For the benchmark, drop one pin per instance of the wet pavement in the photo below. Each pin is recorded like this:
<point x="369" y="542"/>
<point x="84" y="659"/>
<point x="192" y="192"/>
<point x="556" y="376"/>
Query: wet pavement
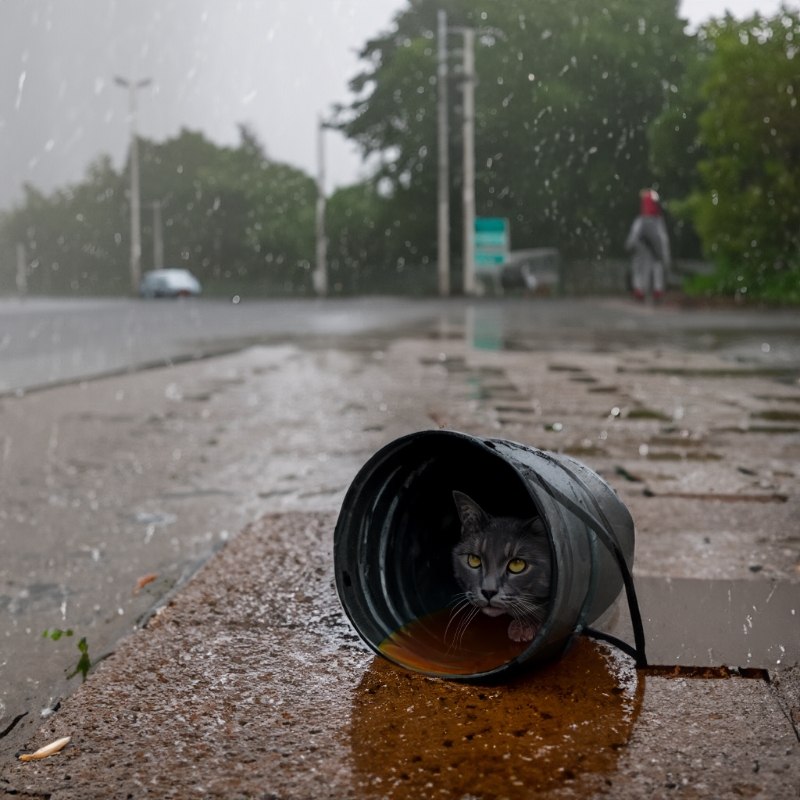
<point x="696" y="435"/>
<point x="252" y="685"/>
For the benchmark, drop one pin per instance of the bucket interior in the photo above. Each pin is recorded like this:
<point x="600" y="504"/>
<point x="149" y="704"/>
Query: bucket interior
<point x="395" y="538"/>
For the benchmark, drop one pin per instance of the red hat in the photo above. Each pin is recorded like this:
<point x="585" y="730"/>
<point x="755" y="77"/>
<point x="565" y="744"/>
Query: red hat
<point x="650" y="207"/>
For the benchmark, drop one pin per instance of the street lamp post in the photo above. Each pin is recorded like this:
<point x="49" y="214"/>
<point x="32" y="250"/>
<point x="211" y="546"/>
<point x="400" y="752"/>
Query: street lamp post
<point x="136" y="232"/>
<point x="444" y="163"/>
<point x="321" y="271"/>
<point x="467" y="80"/>
<point x="468" y="189"/>
<point x="158" y="237"/>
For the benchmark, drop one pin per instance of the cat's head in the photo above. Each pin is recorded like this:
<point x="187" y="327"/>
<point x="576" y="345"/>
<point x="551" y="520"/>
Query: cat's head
<point x="502" y="563"/>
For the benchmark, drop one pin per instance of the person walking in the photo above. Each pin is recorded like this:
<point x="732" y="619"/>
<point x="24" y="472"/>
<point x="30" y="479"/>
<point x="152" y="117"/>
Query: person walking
<point x="649" y="242"/>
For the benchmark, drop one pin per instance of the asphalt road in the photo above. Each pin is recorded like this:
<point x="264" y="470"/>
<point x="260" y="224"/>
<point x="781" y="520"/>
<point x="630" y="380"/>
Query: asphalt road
<point x="44" y="341"/>
<point x="47" y="341"/>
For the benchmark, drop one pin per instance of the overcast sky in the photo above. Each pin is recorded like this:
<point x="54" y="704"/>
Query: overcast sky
<point x="275" y="64"/>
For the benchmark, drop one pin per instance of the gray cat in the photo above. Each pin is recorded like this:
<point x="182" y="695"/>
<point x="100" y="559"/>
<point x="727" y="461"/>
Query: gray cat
<point x="502" y="564"/>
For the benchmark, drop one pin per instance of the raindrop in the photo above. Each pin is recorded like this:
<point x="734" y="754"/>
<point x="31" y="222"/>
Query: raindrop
<point x="765" y="348"/>
<point x="173" y="392"/>
<point x="643" y="449"/>
<point x="20" y="85"/>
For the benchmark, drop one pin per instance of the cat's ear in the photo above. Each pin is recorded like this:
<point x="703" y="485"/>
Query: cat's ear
<point x="534" y="526"/>
<point x="473" y="517"/>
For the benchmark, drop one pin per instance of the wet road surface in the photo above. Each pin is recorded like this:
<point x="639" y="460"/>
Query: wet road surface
<point x="46" y="341"/>
<point x="115" y="480"/>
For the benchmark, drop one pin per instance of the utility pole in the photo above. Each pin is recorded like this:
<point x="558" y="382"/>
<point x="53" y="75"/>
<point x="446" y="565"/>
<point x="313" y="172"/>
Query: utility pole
<point x="468" y="189"/>
<point x="444" y="163"/>
<point x="136" y="227"/>
<point x="22" y="278"/>
<point x="321" y="272"/>
<point x="158" y="237"/>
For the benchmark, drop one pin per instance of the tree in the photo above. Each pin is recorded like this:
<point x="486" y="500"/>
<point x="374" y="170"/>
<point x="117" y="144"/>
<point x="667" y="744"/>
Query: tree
<point x="567" y="91"/>
<point x="747" y="206"/>
<point x="675" y="149"/>
<point x="75" y="239"/>
<point x="233" y="216"/>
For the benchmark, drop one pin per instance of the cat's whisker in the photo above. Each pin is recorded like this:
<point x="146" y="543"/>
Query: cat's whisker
<point x="529" y="618"/>
<point x="454" y="613"/>
<point x="528" y="611"/>
<point x="465" y="624"/>
<point x="463" y="606"/>
<point x="462" y="624"/>
<point x="530" y="604"/>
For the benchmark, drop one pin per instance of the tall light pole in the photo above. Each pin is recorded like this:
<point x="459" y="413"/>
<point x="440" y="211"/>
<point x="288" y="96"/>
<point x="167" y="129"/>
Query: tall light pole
<point x="158" y="237"/>
<point x="22" y="278"/>
<point x="321" y="271"/>
<point x="468" y="188"/>
<point x="136" y="230"/>
<point x="444" y="163"/>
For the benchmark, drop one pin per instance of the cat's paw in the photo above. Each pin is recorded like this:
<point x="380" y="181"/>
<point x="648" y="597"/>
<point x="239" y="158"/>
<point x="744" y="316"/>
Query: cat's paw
<point x="520" y="631"/>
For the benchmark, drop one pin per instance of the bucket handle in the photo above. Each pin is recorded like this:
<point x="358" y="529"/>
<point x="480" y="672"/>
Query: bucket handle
<point x="609" y="539"/>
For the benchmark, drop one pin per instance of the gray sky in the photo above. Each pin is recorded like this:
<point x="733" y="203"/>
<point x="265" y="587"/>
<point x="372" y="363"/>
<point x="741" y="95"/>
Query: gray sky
<point x="275" y="64"/>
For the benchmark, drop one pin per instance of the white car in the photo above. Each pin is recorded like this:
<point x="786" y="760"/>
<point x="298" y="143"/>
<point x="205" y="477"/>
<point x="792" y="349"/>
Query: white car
<point x="169" y="283"/>
<point x="537" y="270"/>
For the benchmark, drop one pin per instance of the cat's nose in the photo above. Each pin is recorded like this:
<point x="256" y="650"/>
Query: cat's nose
<point x="488" y="593"/>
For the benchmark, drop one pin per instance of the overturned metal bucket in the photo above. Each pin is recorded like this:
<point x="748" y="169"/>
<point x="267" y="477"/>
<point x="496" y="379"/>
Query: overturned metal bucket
<point x="398" y="526"/>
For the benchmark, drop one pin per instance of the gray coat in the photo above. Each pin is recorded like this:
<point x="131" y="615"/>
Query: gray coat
<point x="650" y="233"/>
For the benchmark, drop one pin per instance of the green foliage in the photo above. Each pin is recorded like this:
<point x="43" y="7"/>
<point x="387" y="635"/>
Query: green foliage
<point x="675" y="150"/>
<point x="56" y="633"/>
<point x="367" y="251"/>
<point x="746" y="203"/>
<point x="567" y="90"/>
<point x="84" y="662"/>
<point x="231" y="215"/>
<point x="73" y="237"/>
<point x="353" y="245"/>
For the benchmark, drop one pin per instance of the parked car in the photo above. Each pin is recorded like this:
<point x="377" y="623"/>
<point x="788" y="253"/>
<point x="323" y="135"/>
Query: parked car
<point x="536" y="270"/>
<point x="169" y="283"/>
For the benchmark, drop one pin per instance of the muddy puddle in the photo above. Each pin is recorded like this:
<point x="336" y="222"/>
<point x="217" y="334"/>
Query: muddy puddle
<point x="414" y="736"/>
<point x="453" y="642"/>
<point x="711" y="623"/>
<point x="688" y="623"/>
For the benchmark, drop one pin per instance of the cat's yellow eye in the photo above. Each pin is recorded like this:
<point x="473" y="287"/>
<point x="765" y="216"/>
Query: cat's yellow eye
<point x="473" y="561"/>
<point x="517" y="565"/>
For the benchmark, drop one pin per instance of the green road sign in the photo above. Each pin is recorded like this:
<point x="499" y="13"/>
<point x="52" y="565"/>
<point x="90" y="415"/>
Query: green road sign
<point x="492" y="242"/>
